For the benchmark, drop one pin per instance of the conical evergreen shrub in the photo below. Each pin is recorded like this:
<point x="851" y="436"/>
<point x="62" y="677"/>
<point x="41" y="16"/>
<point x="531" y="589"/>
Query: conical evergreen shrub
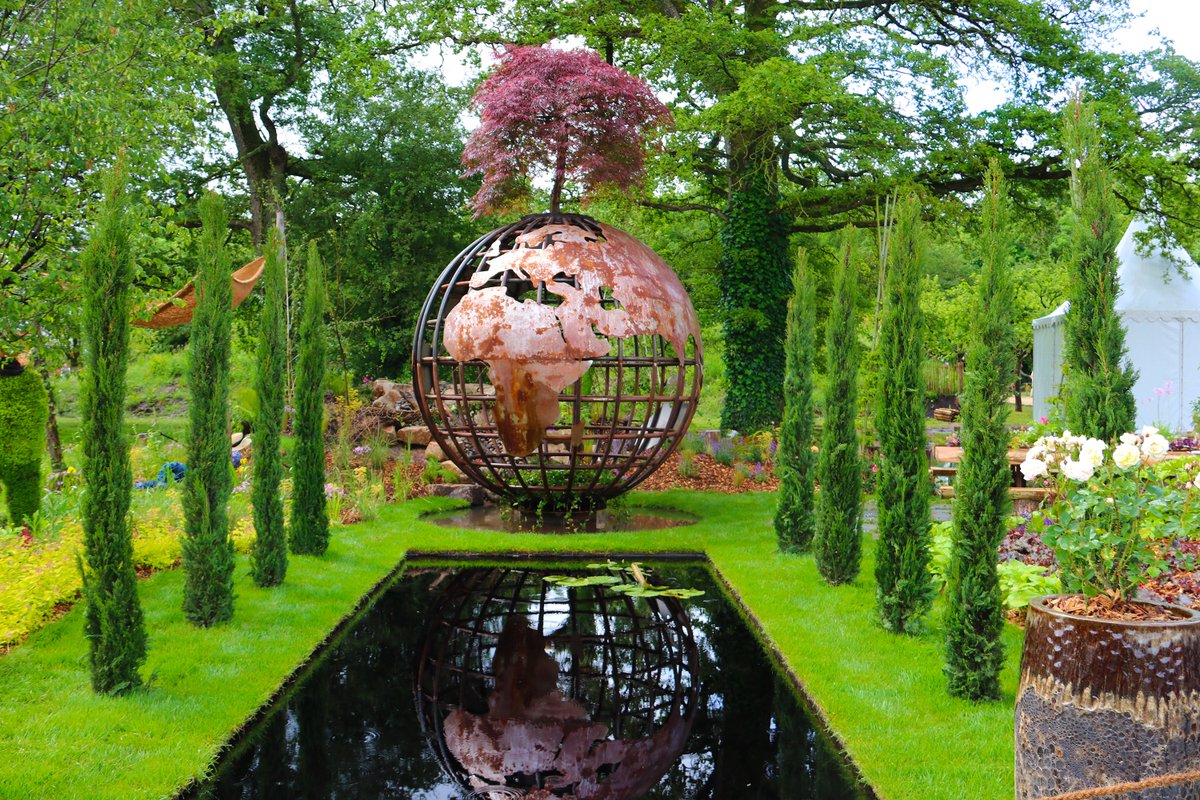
<point x="269" y="557"/>
<point x="113" y="620"/>
<point x="1097" y="392"/>
<point x="309" y="533"/>
<point x="975" y="617"/>
<point x="904" y="591"/>
<point x="838" y="543"/>
<point x="208" y="558"/>
<point x="794" y="513"/>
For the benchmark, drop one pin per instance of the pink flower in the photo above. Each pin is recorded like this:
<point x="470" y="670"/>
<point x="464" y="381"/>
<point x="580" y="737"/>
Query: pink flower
<point x="1043" y="421"/>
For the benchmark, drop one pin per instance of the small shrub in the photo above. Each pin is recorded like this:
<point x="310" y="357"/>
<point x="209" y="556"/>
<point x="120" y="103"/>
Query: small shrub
<point x="722" y="452"/>
<point x="334" y="498"/>
<point x="379" y="450"/>
<point x="688" y="468"/>
<point x="740" y="473"/>
<point x="434" y="472"/>
<point x="369" y="499"/>
<point x="694" y="444"/>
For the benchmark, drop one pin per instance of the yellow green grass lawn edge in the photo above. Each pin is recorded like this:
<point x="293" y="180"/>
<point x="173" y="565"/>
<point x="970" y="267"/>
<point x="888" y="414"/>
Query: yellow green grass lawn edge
<point x="882" y="696"/>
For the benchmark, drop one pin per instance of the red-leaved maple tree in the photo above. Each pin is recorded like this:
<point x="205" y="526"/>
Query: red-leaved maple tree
<point x="566" y="113"/>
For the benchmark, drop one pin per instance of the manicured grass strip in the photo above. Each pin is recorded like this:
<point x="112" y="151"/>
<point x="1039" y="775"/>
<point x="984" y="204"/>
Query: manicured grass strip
<point x="883" y="695"/>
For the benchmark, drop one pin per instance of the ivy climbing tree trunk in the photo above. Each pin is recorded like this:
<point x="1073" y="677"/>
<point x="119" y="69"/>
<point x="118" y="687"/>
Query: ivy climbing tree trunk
<point x="975" y="617"/>
<point x="1098" y="388"/>
<point x="113" y="621"/>
<point x="207" y="549"/>
<point x="752" y="278"/>
<point x="902" y="562"/>
<point x="794" y="521"/>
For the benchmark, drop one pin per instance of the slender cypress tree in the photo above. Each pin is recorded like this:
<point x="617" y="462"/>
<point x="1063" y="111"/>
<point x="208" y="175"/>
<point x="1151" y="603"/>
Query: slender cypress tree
<point x="113" y="622"/>
<point x="975" y="619"/>
<point x="207" y="549"/>
<point x="269" y="558"/>
<point x="1098" y="388"/>
<point x="309" y="532"/>
<point x="838" y="543"/>
<point x="905" y="591"/>
<point x="794" y="520"/>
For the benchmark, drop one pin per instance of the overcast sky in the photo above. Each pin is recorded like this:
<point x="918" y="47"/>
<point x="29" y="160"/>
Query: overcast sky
<point x="1178" y="21"/>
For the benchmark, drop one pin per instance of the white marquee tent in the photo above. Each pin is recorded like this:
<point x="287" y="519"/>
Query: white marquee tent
<point x="1159" y="305"/>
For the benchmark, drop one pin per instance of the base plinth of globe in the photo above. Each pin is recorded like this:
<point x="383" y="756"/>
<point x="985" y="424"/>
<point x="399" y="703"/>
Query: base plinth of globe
<point x="557" y="361"/>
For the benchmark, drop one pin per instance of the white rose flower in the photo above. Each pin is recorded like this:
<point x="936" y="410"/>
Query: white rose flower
<point x="1077" y="470"/>
<point x="1126" y="455"/>
<point x="1036" y="452"/>
<point x="1130" y="438"/>
<point x="1033" y="468"/>
<point x="1155" y="447"/>
<point x="1196" y="481"/>
<point x="1092" y="452"/>
<point x="1148" y="430"/>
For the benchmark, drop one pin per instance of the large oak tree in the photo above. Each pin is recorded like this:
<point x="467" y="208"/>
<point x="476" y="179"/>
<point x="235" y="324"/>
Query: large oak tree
<point x="800" y="116"/>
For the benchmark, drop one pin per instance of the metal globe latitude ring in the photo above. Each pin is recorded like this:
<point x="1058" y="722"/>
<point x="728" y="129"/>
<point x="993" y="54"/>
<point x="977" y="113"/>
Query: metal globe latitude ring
<point x="557" y="361"/>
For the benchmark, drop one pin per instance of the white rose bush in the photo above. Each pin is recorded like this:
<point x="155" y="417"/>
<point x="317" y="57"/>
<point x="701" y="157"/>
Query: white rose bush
<point x="1114" y="511"/>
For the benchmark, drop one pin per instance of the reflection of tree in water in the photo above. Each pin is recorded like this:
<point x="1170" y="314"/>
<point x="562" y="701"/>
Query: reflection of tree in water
<point x="351" y="731"/>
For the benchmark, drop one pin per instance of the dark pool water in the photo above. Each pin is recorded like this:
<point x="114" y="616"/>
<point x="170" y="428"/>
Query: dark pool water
<point x="495" y="683"/>
<point x="493" y="518"/>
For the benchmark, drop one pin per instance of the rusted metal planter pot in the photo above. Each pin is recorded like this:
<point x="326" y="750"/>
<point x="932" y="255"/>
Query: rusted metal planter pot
<point x="1103" y="702"/>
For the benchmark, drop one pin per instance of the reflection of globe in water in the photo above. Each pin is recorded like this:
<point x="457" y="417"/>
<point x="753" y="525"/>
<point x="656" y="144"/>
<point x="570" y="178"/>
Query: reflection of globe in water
<point x="529" y="689"/>
<point x="558" y="357"/>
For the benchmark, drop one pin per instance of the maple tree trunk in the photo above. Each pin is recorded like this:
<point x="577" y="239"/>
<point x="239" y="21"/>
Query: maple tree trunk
<point x="560" y="174"/>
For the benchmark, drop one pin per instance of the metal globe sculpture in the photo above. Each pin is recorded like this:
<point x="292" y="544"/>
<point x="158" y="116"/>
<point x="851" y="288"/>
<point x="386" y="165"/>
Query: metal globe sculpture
<point x="526" y="688"/>
<point x="558" y="361"/>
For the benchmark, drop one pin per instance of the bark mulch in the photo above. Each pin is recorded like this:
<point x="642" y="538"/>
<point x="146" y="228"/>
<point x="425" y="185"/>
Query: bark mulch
<point x="712" y="477"/>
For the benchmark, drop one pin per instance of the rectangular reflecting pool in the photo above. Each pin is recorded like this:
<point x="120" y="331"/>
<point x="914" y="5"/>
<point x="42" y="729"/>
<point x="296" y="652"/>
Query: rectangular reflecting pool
<point x="598" y="683"/>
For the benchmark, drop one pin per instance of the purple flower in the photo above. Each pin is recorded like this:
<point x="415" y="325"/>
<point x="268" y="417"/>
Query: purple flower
<point x="332" y="490"/>
<point x="362" y="450"/>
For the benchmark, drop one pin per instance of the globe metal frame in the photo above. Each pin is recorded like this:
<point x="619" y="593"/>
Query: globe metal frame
<point x="632" y="663"/>
<point x="646" y="395"/>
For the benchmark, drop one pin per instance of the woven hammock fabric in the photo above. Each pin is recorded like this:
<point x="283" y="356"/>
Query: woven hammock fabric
<point x="178" y="310"/>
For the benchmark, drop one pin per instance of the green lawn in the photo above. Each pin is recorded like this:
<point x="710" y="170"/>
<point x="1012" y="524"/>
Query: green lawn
<point x="882" y="695"/>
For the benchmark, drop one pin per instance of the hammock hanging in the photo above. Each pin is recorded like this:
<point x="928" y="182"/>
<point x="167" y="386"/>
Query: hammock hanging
<point x="173" y="312"/>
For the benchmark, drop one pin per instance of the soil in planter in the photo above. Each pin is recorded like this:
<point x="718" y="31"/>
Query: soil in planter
<point x="1104" y="607"/>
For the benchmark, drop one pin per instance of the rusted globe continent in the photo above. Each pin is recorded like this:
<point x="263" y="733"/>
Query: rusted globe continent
<point x="558" y="356"/>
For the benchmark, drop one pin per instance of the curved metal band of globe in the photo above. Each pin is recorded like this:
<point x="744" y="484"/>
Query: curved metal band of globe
<point x="646" y="394"/>
<point x="525" y="685"/>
